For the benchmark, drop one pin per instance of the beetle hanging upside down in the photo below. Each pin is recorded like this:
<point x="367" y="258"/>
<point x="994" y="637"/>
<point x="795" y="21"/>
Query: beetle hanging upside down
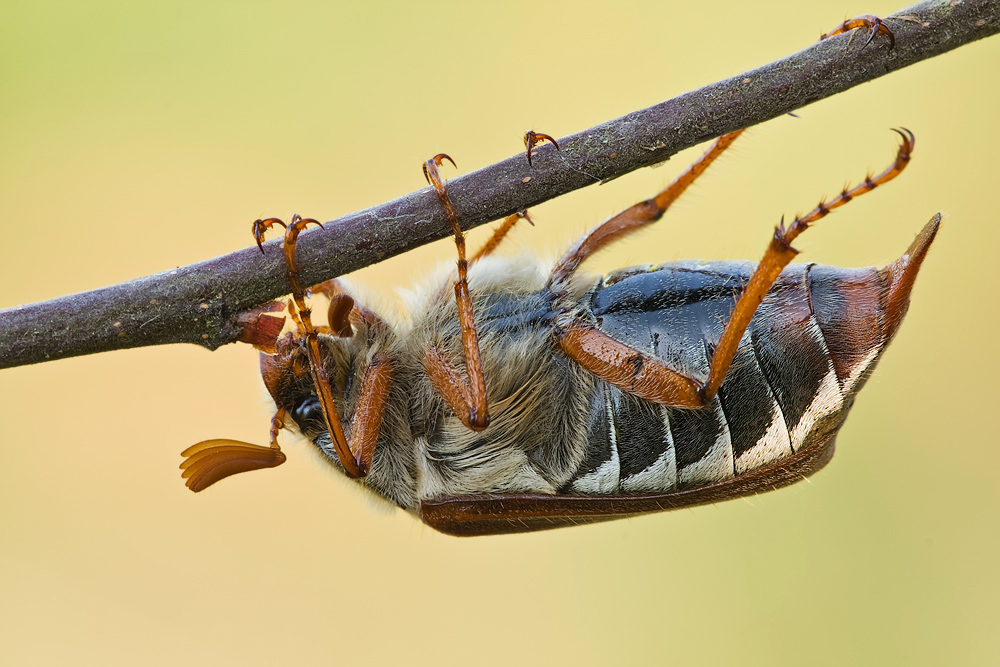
<point x="537" y="398"/>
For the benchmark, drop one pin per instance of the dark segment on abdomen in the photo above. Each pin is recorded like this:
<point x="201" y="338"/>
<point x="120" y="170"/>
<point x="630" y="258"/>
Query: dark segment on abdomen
<point x="781" y="385"/>
<point x="641" y="432"/>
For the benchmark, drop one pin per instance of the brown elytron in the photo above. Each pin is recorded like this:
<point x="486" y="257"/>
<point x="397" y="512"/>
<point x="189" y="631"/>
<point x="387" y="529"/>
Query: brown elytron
<point x="533" y="402"/>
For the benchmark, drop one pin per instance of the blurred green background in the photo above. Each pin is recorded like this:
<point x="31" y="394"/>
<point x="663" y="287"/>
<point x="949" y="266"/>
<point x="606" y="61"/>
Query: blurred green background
<point x="141" y="136"/>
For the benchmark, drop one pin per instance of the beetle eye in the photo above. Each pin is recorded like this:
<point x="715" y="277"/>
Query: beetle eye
<point x="308" y="414"/>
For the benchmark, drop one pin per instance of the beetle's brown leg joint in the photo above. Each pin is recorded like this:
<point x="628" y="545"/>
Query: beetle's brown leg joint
<point x="455" y="391"/>
<point x="781" y="234"/>
<point x="478" y="422"/>
<point x="625" y="367"/>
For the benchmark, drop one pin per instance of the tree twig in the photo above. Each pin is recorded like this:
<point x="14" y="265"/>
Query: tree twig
<point x="200" y="303"/>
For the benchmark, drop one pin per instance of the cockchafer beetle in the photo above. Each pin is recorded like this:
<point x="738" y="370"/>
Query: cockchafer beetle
<point x="539" y="398"/>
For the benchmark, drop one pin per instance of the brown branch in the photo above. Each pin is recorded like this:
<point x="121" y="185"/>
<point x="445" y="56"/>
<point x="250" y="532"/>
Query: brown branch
<point x="200" y="303"/>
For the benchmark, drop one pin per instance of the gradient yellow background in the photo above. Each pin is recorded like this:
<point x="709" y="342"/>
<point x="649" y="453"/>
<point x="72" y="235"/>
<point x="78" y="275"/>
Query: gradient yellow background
<point x="139" y="138"/>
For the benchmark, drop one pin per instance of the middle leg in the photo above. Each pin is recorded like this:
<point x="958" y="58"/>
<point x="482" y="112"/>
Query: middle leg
<point x="638" y="216"/>
<point x="466" y="397"/>
<point x="499" y="234"/>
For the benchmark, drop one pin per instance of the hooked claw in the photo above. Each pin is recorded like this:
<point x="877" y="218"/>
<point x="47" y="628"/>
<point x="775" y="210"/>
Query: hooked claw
<point x="874" y="25"/>
<point x="431" y="170"/>
<point x="532" y="139"/>
<point x="259" y="228"/>
<point x="909" y="141"/>
<point x="878" y="26"/>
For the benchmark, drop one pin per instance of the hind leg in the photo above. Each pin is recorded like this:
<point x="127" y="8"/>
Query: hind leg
<point x="873" y="24"/>
<point x="645" y="376"/>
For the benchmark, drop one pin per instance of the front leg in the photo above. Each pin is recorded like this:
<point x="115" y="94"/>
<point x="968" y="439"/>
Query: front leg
<point x="295" y="355"/>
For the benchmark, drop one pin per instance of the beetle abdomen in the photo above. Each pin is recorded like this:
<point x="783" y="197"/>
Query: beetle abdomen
<point x="806" y="352"/>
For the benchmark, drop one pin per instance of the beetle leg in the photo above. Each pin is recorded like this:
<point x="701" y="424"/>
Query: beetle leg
<point x="376" y="381"/>
<point x="646" y="377"/>
<point x="625" y="367"/>
<point x="532" y="139"/>
<point x="777" y="256"/>
<point x="367" y="421"/>
<point x="873" y="24"/>
<point x="302" y="315"/>
<point x="638" y="216"/>
<point x="329" y="288"/>
<point x="339" y="317"/>
<point x="499" y="234"/>
<point x="467" y="398"/>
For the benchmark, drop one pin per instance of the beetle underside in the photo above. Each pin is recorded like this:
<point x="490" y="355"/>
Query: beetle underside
<point x="509" y="409"/>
